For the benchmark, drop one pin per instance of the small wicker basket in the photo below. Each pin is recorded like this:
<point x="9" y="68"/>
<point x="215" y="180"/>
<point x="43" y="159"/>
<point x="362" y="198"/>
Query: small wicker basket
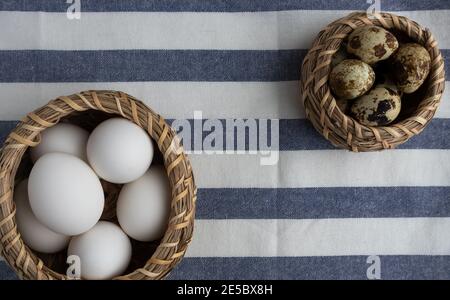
<point x="320" y="105"/>
<point x="168" y="252"/>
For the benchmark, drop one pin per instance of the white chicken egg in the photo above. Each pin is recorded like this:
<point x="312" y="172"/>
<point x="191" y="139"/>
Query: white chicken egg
<point x="119" y="151"/>
<point x="143" y="205"/>
<point x="62" y="137"/>
<point x="35" y="235"/>
<point x="65" y="194"/>
<point x="104" y="251"/>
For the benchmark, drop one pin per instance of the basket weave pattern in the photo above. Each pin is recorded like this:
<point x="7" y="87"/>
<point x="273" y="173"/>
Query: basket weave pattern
<point x="27" y="134"/>
<point x="320" y="105"/>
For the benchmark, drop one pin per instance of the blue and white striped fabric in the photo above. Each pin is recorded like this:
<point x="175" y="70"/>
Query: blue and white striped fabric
<point x="320" y="212"/>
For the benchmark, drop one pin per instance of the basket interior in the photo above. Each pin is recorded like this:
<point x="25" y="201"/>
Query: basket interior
<point x="142" y="251"/>
<point x="410" y="102"/>
<point x="340" y="128"/>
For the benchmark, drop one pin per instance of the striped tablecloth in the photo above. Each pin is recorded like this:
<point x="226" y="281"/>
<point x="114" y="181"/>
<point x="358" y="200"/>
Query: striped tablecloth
<point x="319" y="213"/>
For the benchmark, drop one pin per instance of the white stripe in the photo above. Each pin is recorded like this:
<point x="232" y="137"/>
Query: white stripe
<point x="1" y="258"/>
<point x="171" y="99"/>
<point x="178" y="100"/>
<point x="185" y="30"/>
<point x="324" y="168"/>
<point x="321" y="237"/>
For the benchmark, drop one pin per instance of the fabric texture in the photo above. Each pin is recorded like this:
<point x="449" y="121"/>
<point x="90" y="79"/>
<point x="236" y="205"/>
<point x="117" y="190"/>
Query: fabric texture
<point x="319" y="212"/>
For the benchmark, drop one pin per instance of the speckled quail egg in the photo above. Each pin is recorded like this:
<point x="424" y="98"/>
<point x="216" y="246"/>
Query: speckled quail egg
<point x="379" y="107"/>
<point x="351" y="79"/>
<point x="339" y="56"/>
<point x="372" y="44"/>
<point x="410" y="67"/>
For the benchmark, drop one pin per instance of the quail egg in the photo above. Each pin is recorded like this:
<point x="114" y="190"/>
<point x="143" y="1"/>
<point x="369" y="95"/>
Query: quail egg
<point x="379" y="107"/>
<point x="351" y="78"/>
<point x="372" y="44"/>
<point x="411" y="66"/>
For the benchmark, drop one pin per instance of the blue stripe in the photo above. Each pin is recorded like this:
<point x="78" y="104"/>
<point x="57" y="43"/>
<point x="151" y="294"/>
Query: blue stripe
<point x="218" y="5"/>
<point x="298" y="134"/>
<point x="6" y="273"/>
<point x="335" y="267"/>
<point x="401" y="267"/>
<point x="149" y="65"/>
<point x="5" y="128"/>
<point x="153" y="65"/>
<point x="315" y="203"/>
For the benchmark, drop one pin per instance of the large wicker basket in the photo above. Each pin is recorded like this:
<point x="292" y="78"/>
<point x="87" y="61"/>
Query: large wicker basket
<point x="320" y="105"/>
<point x="167" y="252"/>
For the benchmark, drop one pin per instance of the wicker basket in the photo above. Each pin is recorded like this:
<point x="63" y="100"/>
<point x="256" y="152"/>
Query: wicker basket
<point x="172" y="247"/>
<point x="320" y="105"/>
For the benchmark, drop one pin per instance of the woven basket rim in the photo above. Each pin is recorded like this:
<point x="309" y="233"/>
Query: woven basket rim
<point x="178" y="235"/>
<point x="320" y="106"/>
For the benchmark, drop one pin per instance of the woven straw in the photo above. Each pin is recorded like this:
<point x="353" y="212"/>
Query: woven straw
<point x="320" y="105"/>
<point x="173" y="245"/>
